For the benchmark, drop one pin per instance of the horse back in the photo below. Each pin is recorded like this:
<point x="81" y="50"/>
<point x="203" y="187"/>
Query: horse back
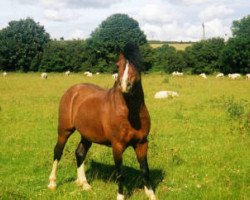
<point x="71" y="100"/>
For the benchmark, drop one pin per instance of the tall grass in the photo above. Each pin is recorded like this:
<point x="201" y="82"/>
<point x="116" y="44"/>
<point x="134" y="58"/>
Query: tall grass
<point x="198" y="145"/>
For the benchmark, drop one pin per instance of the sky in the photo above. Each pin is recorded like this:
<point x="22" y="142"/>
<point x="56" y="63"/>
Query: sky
<point x="165" y="20"/>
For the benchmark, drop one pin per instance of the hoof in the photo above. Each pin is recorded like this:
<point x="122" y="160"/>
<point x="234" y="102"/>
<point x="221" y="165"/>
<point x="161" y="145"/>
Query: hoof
<point x="52" y="186"/>
<point x="86" y="186"/>
<point x="150" y="193"/>
<point x="83" y="184"/>
<point x="120" y="197"/>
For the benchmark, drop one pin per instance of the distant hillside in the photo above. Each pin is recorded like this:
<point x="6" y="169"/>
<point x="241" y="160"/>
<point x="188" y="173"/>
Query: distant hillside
<point x="178" y="45"/>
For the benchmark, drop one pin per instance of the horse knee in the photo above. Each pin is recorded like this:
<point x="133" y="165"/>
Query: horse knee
<point x="80" y="152"/>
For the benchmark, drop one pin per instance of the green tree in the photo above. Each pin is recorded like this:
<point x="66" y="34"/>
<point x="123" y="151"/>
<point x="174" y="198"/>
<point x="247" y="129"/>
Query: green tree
<point x="167" y="59"/>
<point x="112" y="34"/>
<point x="236" y="55"/>
<point x="204" y="56"/>
<point x="241" y="28"/>
<point x="147" y="53"/>
<point x="21" y="42"/>
<point x="64" y="55"/>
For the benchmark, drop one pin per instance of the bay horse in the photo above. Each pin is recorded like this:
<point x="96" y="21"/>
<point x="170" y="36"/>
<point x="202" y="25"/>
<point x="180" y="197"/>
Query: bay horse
<point x="117" y="117"/>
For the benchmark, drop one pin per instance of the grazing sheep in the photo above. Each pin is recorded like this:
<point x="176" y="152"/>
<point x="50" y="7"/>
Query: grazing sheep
<point x="89" y="74"/>
<point x="115" y="75"/>
<point x="44" y="75"/>
<point x="219" y="75"/>
<point x="67" y="73"/>
<point x="203" y="75"/>
<point x="234" y="76"/>
<point x="248" y="76"/>
<point x="5" y="74"/>
<point x="97" y="73"/>
<point x="165" y="94"/>
<point x="177" y="74"/>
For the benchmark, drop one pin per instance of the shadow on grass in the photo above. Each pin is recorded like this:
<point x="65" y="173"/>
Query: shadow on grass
<point x="132" y="176"/>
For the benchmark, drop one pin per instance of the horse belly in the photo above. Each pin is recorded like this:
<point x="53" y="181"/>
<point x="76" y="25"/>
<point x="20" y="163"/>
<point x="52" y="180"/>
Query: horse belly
<point x="88" y="121"/>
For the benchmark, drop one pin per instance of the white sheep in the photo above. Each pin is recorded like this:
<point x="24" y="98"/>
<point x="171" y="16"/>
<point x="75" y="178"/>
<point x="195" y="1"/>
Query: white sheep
<point x="115" y="76"/>
<point x="89" y="74"/>
<point x="203" y="75"/>
<point x="44" y="75"/>
<point x="165" y="94"/>
<point x="97" y="73"/>
<point x="5" y="74"/>
<point x="248" y="76"/>
<point x="234" y="76"/>
<point x="67" y="73"/>
<point x="219" y="75"/>
<point x="177" y="74"/>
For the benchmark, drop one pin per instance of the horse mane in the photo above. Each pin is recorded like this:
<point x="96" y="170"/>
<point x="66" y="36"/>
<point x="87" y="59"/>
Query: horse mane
<point x="132" y="54"/>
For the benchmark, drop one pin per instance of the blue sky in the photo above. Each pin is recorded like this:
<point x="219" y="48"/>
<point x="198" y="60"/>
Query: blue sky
<point x="159" y="19"/>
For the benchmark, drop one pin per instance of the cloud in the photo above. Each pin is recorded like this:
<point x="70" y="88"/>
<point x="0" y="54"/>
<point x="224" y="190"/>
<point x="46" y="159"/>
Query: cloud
<point x="58" y="4"/>
<point x="61" y="14"/>
<point x="192" y="2"/>
<point x="157" y="14"/>
<point x="213" y="11"/>
<point x="194" y="32"/>
<point x="77" y="34"/>
<point x="216" y="28"/>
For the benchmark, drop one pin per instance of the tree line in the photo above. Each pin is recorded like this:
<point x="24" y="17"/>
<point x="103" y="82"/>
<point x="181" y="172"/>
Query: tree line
<point x="26" y="46"/>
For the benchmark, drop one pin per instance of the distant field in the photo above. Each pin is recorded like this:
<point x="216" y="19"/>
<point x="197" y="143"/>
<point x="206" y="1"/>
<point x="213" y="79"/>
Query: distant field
<point x="178" y="46"/>
<point x="198" y="146"/>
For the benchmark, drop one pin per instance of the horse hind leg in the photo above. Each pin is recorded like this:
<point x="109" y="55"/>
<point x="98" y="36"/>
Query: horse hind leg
<point x="81" y="153"/>
<point x="58" y="150"/>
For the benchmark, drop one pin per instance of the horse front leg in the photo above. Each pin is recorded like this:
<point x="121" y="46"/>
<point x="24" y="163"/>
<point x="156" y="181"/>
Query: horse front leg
<point x="118" y="150"/>
<point x="141" y="154"/>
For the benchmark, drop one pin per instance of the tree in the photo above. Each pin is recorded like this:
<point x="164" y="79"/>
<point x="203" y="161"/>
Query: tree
<point x="64" y="55"/>
<point x="167" y="59"/>
<point x="117" y="30"/>
<point x="204" y="56"/>
<point x="20" y="43"/>
<point x="236" y="55"/>
<point x="112" y="34"/>
<point x="241" y="28"/>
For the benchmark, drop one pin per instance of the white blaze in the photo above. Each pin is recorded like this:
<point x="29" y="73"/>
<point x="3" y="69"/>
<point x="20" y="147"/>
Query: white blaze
<point x="125" y="78"/>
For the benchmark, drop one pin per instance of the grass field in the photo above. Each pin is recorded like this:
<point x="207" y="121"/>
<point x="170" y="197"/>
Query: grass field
<point x="178" y="46"/>
<point x="199" y="145"/>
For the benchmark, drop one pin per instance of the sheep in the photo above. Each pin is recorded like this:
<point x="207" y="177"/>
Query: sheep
<point x="219" y="75"/>
<point x="203" y="75"/>
<point x="89" y="74"/>
<point x="67" y="73"/>
<point x="177" y="74"/>
<point x="248" y="76"/>
<point x="44" y="75"/>
<point x="234" y="76"/>
<point x="165" y="94"/>
<point x="97" y="73"/>
<point x="115" y="76"/>
<point x="5" y="74"/>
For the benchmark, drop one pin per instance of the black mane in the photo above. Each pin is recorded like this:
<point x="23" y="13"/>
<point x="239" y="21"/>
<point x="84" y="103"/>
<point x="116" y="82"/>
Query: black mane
<point x="132" y="54"/>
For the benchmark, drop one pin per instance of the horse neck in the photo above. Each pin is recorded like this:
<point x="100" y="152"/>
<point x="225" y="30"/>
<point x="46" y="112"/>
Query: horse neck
<point x="134" y="101"/>
<point x="136" y="98"/>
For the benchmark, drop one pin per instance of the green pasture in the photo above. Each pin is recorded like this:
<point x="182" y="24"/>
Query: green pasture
<point x="199" y="145"/>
